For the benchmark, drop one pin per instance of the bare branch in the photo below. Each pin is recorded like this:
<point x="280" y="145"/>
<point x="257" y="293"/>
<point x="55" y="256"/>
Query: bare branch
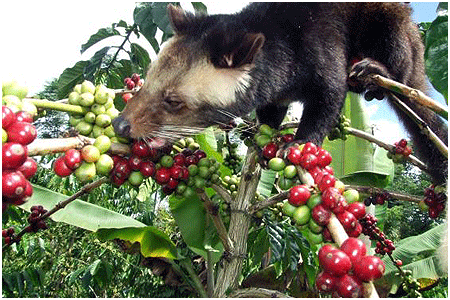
<point x="411" y="93"/>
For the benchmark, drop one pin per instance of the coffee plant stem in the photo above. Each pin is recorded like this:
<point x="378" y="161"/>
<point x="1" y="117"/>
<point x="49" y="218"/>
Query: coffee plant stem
<point x="47" y="146"/>
<point x="213" y="211"/>
<point x="364" y="135"/>
<point x="229" y="273"/>
<point x="268" y="202"/>
<point x="374" y="190"/>
<point x="56" y="105"/>
<point x="411" y="93"/>
<point x="226" y="196"/>
<point x="60" y="205"/>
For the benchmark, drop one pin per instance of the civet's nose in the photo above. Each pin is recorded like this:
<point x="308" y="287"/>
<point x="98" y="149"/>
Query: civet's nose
<point x="121" y="126"/>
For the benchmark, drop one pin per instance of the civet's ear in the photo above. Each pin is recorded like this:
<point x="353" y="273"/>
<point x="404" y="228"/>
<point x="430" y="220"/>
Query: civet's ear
<point x="246" y="51"/>
<point x="177" y="18"/>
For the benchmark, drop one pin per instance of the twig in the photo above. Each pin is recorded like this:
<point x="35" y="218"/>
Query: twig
<point x="218" y="223"/>
<point x="422" y="125"/>
<point x="223" y="193"/>
<point x="58" y="105"/>
<point x="47" y="146"/>
<point x="395" y="195"/>
<point x="411" y="93"/>
<point x="60" y="205"/>
<point x="257" y="293"/>
<point x="268" y="202"/>
<point x="367" y="136"/>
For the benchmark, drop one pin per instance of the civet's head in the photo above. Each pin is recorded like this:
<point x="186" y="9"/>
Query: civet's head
<point x="198" y="79"/>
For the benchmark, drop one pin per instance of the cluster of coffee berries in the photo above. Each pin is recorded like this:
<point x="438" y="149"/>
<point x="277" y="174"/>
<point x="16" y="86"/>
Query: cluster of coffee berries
<point x="8" y="235"/>
<point x="340" y="131"/>
<point x="377" y="198"/>
<point x="410" y="285"/>
<point x="35" y="220"/>
<point x="17" y="167"/>
<point x="87" y="162"/>
<point x="231" y="159"/>
<point x="99" y="110"/>
<point x="14" y="97"/>
<point x="434" y="200"/>
<point x="401" y="151"/>
<point x="369" y="228"/>
<point x="181" y="172"/>
<point x="130" y="83"/>
<point x="344" y="269"/>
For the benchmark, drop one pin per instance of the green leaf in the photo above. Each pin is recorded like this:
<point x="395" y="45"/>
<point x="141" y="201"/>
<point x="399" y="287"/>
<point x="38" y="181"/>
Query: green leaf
<point x="418" y="254"/>
<point x="140" y="56"/>
<point x="357" y="161"/>
<point x="265" y="184"/>
<point x="436" y="52"/>
<point x="190" y="217"/>
<point x="258" y="245"/>
<point x="95" y="63"/>
<point x="199" y="6"/>
<point x="101" y="34"/>
<point x="70" y="77"/>
<point x="121" y="23"/>
<point x="160" y="17"/>
<point x="79" y="213"/>
<point x="153" y="242"/>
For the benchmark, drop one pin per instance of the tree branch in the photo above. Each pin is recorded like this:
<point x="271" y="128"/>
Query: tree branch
<point x="218" y="223"/>
<point x="229" y="273"/>
<point x="413" y="94"/>
<point x="60" y="205"/>
<point x="367" y="136"/>
<point x="396" y="195"/>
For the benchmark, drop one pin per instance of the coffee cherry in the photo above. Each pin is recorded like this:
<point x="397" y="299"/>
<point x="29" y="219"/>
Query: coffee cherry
<point x="130" y="85"/>
<point x="60" y="168"/>
<point x="321" y="215"/>
<point x="330" y="198"/>
<point x="134" y="162"/>
<point x="276" y="164"/>
<point x="8" y="117"/>
<point x="287" y="138"/>
<point x="336" y="262"/>
<point x="270" y="150"/>
<point x="179" y="159"/>
<point x="308" y="161"/>
<point x="28" y="168"/>
<point x="299" y="195"/>
<point x="323" y="158"/>
<point x="358" y="209"/>
<point x="354" y="248"/>
<point x="72" y="158"/>
<point x="369" y="268"/>
<point x="13" y="184"/>
<point x="135" y="78"/>
<point x="309" y="148"/>
<point x="24" y="116"/>
<point x="347" y="220"/>
<point x="326" y="182"/>
<point x="294" y="155"/>
<point x="162" y="175"/>
<point x="147" y="168"/>
<point x="140" y="149"/>
<point x="90" y="153"/>
<point x="13" y="155"/>
<point x="126" y="97"/>
<point x="349" y="286"/>
<point x="325" y="282"/>
<point x="301" y="215"/>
